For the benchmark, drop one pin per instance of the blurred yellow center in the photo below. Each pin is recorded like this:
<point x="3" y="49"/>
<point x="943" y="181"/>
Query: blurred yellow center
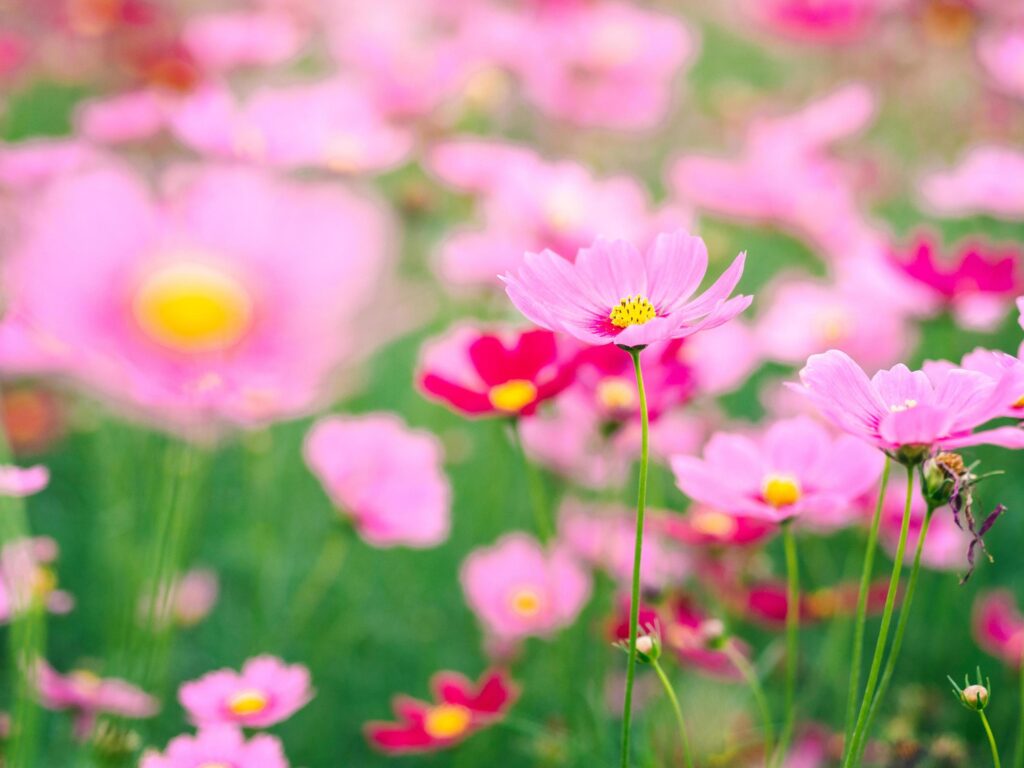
<point x="781" y="490"/>
<point x="564" y="209"/>
<point x="824" y="603"/>
<point x="906" y="405"/>
<point x="717" y="524"/>
<point x="447" y="721"/>
<point x="513" y="395"/>
<point x="247" y="702"/>
<point x="526" y="602"/>
<point x="192" y="307"/>
<point x="214" y="765"/>
<point x="1019" y="403"/>
<point x="632" y="310"/>
<point x="616" y="394"/>
<point x="343" y="154"/>
<point x="86" y="679"/>
<point x="44" y="581"/>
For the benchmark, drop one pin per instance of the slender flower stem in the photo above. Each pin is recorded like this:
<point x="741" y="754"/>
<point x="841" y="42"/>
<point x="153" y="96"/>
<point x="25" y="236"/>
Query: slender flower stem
<point x="634" y="606"/>
<point x="1018" y="754"/>
<point x="667" y="685"/>
<point x="535" y="482"/>
<point x="792" y="638"/>
<point x="753" y="681"/>
<point x="862" y="603"/>
<point x="853" y="746"/>
<point x="320" y="578"/>
<point x="991" y="739"/>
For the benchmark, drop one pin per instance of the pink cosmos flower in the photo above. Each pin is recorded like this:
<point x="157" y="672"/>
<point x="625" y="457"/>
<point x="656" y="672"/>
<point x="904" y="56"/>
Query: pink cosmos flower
<point x="795" y="468"/>
<point x="518" y="589"/>
<point x="187" y="600"/>
<point x="906" y="412"/>
<point x="999" y="627"/>
<point x="218" y="746"/>
<point x="818" y="21"/>
<point x="461" y="708"/>
<point x="766" y="601"/>
<point x="194" y="308"/>
<point x="945" y="548"/>
<point x="88" y="696"/>
<point x="996" y="366"/>
<point x="989" y="179"/>
<point x="15" y="481"/>
<point x="26" y="165"/>
<point x="704" y="526"/>
<point x="386" y="477"/>
<point x="613" y="294"/>
<point x="27" y="577"/>
<point x="267" y="691"/>
<point x="1001" y="53"/>
<point x="220" y="42"/>
<point x="495" y="372"/>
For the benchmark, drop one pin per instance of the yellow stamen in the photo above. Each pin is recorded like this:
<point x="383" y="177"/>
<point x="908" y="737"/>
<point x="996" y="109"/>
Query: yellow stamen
<point x="250" y="701"/>
<point x="513" y="395"/>
<point x="632" y="310"/>
<point x="446" y="721"/>
<point x="1019" y="403"/>
<point x="781" y="490"/>
<point x="193" y="308"/>
<point x="616" y="394"/>
<point x="526" y="602"/>
<point x="44" y="581"/>
<point x="906" y="405"/>
<point x="712" y="523"/>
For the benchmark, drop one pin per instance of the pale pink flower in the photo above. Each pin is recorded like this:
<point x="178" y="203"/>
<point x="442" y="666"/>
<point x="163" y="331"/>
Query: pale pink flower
<point x="945" y="547"/>
<point x="795" y="468"/>
<point x="16" y="481"/>
<point x="223" y="41"/>
<point x="1001" y="53"/>
<point x="27" y="577"/>
<point x="27" y="165"/>
<point x="218" y="746"/>
<point x="267" y="691"/>
<point x="988" y="179"/>
<point x="996" y="366"/>
<point x="187" y="600"/>
<point x="613" y="294"/>
<point x="386" y="477"/>
<point x="906" y="412"/>
<point x="127" y="117"/>
<point x="518" y="589"/>
<point x="721" y="359"/>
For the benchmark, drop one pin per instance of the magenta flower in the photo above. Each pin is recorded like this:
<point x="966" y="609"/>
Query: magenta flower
<point x="518" y="589"/>
<point x="795" y="468"/>
<point x="999" y="627"/>
<point x="15" y="481"/>
<point x="815" y="21"/>
<point x="88" y="695"/>
<point x="704" y="526"/>
<point x="386" y="477"/>
<point x="267" y="691"/>
<point x="613" y="294"/>
<point x="218" y="746"/>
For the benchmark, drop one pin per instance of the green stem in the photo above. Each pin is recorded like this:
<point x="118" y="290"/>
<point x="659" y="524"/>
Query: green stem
<point x="535" y="482"/>
<point x="1018" y="754"/>
<point x="991" y="739"/>
<point x="792" y="638"/>
<point x="634" y="606"/>
<point x="667" y="685"/>
<point x="321" y="577"/>
<point x="853" y="746"/>
<point x="753" y="681"/>
<point x="862" y="603"/>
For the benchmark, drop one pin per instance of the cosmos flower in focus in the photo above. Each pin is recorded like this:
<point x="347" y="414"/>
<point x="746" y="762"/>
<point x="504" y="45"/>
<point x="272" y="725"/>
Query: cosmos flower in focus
<point x="218" y="746"/>
<point x="613" y="294"/>
<point x="460" y="709"/>
<point x="267" y="691"/>
<point x="999" y="627"/>
<point x="386" y="477"/>
<point x="987" y="180"/>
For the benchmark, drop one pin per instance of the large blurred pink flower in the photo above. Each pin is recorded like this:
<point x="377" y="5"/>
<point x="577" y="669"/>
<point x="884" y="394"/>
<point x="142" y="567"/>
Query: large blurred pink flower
<point x="613" y="294"/>
<point x="989" y="179"/>
<point x="999" y="627"/>
<point x="905" y="412"/>
<point x="267" y="691"/>
<point x="518" y="589"/>
<point x="223" y="41"/>
<point x="795" y="468"/>
<point x="218" y="746"/>
<point x="228" y="301"/>
<point x="388" y="478"/>
<point x="1001" y="53"/>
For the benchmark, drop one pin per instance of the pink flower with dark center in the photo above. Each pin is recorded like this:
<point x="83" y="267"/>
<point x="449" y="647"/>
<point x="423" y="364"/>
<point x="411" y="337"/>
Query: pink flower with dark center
<point x="988" y="180"/>
<point x="500" y="372"/>
<point x="999" y="627"/>
<point x="613" y="294"/>
<point x="795" y="468"/>
<point x="217" y="747"/>
<point x="267" y="691"/>
<point x="460" y="709"/>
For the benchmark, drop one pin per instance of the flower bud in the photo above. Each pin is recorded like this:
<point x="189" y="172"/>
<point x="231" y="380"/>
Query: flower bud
<point x="974" y="697"/>
<point x="941" y="475"/>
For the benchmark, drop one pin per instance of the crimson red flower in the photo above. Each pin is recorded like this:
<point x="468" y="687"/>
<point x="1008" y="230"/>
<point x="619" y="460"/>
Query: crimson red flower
<point x="501" y="372"/>
<point x="460" y="709"/>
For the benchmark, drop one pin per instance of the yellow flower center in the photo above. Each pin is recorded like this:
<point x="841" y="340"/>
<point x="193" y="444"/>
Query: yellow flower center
<point x="824" y="603"/>
<point x="906" y="405"/>
<point x="513" y="395"/>
<point x="632" y="310"/>
<point x="616" y="394"/>
<point x="193" y="308"/>
<point x="44" y="581"/>
<point x="83" y="678"/>
<point x="781" y="490"/>
<point x="563" y="209"/>
<point x="248" y="702"/>
<point x="712" y="523"/>
<point x="446" y="721"/>
<point x="343" y="154"/>
<point x="526" y="602"/>
<point x="1019" y="402"/>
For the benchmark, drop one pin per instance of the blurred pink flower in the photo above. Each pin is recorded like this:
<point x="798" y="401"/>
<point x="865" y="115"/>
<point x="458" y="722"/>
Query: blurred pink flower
<point x="518" y="589"/>
<point x="721" y="359"/>
<point x="27" y="578"/>
<point x="386" y="477"/>
<point x="218" y="746"/>
<point x="266" y="692"/>
<point x="88" y="696"/>
<point x="195" y="309"/>
<point x="989" y="179"/>
<point x="819" y="21"/>
<point x="1001" y="53"/>
<point x="901" y="410"/>
<point x="945" y="548"/>
<point x="16" y="481"/>
<point x="996" y="366"/>
<point x="796" y="468"/>
<point x="188" y="599"/>
<point x="27" y="165"/>
<point x="613" y="294"/>
<point x="766" y="601"/>
<point x="999" y="627"/>
<point x="704" y="526"/>
<point x="224" y="41"/>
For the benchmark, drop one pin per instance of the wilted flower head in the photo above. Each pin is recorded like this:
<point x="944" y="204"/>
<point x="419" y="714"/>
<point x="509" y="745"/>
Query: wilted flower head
<point x="216" y="746"/>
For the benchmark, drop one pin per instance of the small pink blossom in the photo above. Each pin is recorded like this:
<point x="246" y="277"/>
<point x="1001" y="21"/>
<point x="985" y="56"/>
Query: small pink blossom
<point x="18" y="481"/>
<point x="27" y="577"/>
<point x="999" y="627"/>
<point x="1001" y="53"/>
<point x="267" y="691"/>
<point x="988" y="179"/>
<point x="218" y="746"/>
<point x="220" y="42"/>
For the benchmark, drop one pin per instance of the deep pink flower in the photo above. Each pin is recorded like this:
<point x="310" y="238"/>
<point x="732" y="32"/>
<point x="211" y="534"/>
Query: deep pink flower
<point x="16" y="481"/>
<point x="460" y="709"/>
<point x="518" y="589"/>
<point x="999" y="627"/>
<point x="704" y="526"/>
<point x="613" y="294"/>
<point x="795" y="468"/>
<point x="989" y="180"/>
<point x="818" y="21"/>
<point x="905" y="412"/>
<point x="766" y="602"/>
<point x="218" y="746"/>
<point x="267" y="691"/>
<point x="482" y="372"/>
